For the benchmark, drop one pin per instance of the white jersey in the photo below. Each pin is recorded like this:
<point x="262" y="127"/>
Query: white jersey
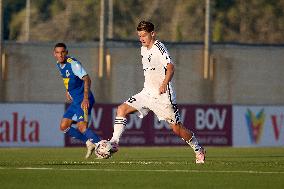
<point x="155" y="62"/>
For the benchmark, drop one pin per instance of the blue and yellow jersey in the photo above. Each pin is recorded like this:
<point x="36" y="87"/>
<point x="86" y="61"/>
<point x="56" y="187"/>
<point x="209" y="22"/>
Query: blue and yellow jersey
<point x="72" y="73"/>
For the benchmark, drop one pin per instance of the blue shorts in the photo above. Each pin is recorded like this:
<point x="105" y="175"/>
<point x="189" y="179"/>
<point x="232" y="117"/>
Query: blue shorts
<point x="76" y="113"/>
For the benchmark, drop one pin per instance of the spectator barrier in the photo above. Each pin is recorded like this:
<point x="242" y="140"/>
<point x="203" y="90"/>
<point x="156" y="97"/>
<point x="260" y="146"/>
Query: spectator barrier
<point x="37" y="125"/>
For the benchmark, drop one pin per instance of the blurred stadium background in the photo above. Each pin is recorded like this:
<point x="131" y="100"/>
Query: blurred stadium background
<point x="228" y="55"/>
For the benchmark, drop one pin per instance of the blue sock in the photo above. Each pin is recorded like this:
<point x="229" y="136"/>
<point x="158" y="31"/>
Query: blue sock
<point x="92" y="135"/>
<point x="75" y="133"/>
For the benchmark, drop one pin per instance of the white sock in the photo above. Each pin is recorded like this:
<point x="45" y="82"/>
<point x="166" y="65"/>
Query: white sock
<point x="118" y="128"/>
<point x="194" y="144"/>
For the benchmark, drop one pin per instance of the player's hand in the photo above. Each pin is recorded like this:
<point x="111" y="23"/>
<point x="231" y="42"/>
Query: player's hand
<point x="68" y="98"/>
<point x="85" y="104"/>
<point x="163" y="88"/>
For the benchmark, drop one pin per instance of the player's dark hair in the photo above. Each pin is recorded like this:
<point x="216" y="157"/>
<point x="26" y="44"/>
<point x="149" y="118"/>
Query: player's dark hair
<point x="60" y="45"/>
<point x="145" y="26"/>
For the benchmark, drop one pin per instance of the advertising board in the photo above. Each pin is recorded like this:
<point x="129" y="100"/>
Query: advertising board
<point x="210" y="123"/>
<point x="258" y="126"/>
<point x="26" y="125"/>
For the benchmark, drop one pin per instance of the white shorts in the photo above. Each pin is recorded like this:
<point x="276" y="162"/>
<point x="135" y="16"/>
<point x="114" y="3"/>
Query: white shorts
<point x="164" y="110"/>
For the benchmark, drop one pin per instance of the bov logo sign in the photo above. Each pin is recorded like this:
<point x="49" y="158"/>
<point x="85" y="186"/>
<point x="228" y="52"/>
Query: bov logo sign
<point x="255" y="124"/>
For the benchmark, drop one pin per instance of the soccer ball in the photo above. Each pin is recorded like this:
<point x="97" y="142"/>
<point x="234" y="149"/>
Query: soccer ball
<point x="103" y="151"/>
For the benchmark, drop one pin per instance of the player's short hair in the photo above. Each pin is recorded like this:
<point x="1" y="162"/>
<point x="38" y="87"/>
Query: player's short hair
<point x="145" y="26"/>
<point x="60" y="45"/>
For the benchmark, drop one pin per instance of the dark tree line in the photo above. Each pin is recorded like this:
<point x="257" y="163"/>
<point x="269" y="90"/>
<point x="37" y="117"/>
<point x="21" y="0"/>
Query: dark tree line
<point x="245" y="21"/>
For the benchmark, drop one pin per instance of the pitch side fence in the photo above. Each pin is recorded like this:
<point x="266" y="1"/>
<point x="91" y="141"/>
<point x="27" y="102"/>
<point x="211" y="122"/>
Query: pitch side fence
<point x="37" y="125"/>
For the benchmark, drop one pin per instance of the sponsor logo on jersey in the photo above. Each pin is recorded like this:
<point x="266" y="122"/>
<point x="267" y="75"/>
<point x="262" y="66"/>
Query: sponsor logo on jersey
<point x="69" y="60"/>
<point x="67" y="73"/>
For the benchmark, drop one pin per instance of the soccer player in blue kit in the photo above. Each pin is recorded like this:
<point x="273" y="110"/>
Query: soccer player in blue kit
<point x="77" y="83"/>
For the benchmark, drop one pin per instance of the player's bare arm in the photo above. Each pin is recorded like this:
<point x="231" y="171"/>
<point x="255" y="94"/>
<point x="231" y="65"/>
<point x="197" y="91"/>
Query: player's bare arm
<point x="87" y="84"/>
<point x="169" y="75"/>
<point x="68" y="97"/>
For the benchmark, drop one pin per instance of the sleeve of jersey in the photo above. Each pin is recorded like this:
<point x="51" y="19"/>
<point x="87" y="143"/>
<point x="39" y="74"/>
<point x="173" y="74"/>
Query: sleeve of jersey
<point x="78" y="69"/>
<point x="164" y="55"/>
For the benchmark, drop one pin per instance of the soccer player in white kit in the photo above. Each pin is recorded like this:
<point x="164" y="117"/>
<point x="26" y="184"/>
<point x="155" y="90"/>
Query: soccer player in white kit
<point x="158" y="94"/>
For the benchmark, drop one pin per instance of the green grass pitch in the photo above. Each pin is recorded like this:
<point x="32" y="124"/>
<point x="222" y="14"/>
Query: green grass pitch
<point x="142" y="167"/>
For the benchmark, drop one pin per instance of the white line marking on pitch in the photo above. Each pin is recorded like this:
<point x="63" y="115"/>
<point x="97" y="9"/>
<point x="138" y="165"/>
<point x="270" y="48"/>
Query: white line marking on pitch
<point x="141" y="170"/>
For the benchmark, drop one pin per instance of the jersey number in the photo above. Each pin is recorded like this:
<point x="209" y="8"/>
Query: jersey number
<point x="131" y="99"/>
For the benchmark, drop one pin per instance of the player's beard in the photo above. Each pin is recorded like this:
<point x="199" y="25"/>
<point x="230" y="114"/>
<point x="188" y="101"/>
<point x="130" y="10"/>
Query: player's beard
<point x="61" y="60"/>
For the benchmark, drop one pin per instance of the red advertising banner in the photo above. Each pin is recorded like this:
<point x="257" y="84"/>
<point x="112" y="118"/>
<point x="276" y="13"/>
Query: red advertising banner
<point x="212" y="125"/>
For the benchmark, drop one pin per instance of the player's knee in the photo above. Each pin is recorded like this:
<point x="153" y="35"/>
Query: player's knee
<point x="65" y="124"/>
<point x="178" y="128"/>
<point x="82" y="127"/>
<point x="63" y="127"/>
<point x="175" y="128"/>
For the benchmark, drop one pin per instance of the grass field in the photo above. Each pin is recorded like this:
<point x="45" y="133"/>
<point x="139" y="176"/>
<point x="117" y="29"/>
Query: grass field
<point x="140" y="167"/>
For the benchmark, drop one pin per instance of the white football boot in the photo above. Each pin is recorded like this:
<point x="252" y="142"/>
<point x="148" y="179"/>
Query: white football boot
<point x="90" y="148"/>
<point x="200" y="156"/>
